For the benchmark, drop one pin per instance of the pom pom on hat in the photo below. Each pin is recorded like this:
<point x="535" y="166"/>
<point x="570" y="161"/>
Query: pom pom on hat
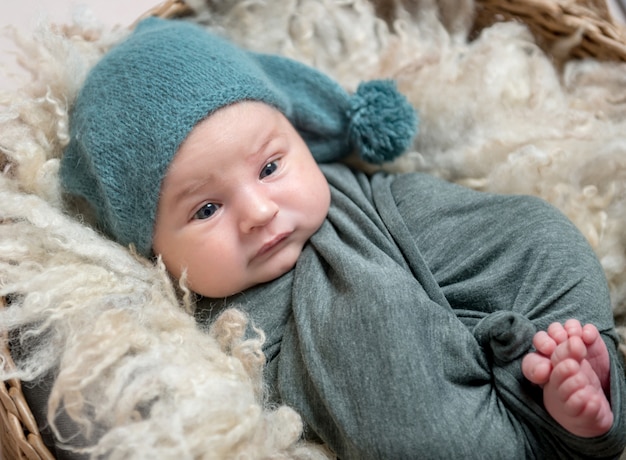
<point x="382" y="122"/>
<point x="143" y="98"/>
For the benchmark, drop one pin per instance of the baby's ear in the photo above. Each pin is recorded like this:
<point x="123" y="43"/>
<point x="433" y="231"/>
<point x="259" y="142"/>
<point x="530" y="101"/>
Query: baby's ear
<point x="377" y="121"/>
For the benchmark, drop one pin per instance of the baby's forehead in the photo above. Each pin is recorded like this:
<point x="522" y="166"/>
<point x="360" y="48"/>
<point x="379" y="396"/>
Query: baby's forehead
<point x="248" y="132"/>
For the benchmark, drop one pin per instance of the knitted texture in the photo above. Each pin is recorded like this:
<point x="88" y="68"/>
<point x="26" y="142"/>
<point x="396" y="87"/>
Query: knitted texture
<point x="141" y="100"/>
<point x="378" y="124"/>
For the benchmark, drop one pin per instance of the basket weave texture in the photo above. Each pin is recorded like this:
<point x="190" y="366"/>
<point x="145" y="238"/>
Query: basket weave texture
<point x="565" y="29"/>
<point x="19" y="435"/>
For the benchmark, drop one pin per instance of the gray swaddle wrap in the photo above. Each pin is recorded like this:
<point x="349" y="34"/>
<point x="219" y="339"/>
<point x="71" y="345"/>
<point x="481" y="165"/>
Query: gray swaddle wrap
<point x="400" y="332"/>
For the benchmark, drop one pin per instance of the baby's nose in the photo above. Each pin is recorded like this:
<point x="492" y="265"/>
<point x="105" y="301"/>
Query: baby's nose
<point x="258" y="211"/>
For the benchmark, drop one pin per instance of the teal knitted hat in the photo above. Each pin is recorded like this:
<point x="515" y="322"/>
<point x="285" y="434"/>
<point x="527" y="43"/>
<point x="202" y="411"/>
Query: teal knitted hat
<point x="141" y="100"/>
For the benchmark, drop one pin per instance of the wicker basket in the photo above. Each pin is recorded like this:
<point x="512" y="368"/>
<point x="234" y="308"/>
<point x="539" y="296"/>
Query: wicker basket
<point x="19" y="435"/>
<point x="565" y="29"/>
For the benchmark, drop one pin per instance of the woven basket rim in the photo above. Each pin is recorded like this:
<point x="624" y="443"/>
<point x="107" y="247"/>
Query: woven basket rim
<point x="565" y="29"/>
<point x="19" y="434"/>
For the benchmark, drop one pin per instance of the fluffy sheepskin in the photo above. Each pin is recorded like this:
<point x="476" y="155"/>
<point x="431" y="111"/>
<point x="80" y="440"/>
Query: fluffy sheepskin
<point x="495" y="116"/>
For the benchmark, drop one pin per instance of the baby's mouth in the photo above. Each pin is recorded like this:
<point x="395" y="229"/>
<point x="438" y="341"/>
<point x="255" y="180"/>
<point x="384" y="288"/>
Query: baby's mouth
<point x="267" y="247"/>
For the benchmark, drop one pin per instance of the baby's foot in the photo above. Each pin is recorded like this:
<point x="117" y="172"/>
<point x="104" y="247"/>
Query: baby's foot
<point x="572" y="365"/>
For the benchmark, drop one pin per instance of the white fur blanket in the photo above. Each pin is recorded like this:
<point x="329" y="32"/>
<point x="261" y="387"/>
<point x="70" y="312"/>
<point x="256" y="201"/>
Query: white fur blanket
<point x="495" y="115"/>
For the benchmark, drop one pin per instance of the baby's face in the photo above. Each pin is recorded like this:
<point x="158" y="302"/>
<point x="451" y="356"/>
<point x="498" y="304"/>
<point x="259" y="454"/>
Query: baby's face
<point x="239" y="201"/>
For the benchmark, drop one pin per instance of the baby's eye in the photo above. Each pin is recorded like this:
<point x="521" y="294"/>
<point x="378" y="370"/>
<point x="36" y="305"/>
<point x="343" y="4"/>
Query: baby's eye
<point x="268" y="169"/>
<point x="207" y="211"/>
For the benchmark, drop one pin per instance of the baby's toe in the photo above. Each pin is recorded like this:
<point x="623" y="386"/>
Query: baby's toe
<point x="544" y="344"/>
<point x="574" y="348"/>
<point x="573" y="328"/>
<point x="557" y="332"/>
<point x="536" y="368"/>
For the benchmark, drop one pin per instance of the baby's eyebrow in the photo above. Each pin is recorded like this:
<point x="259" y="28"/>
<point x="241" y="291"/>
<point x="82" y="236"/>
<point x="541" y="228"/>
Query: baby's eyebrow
<point x="264" y="145"/>
<point x="267" y="139"/>
<point x="192" y="187"/>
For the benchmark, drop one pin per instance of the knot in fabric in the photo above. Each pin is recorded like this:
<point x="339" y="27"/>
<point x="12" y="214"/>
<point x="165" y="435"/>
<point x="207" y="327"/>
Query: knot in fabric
<point x="506" y="335"/>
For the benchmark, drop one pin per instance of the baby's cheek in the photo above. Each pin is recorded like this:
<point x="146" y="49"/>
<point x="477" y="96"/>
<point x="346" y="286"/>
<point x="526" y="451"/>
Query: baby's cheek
<point x="215" y="275"/>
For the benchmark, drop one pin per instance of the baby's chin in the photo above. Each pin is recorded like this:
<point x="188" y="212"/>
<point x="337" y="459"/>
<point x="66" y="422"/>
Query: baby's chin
<point x="279" y="264"/>
<point x="220" y="292"/>
<point x="274" y="275"/>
